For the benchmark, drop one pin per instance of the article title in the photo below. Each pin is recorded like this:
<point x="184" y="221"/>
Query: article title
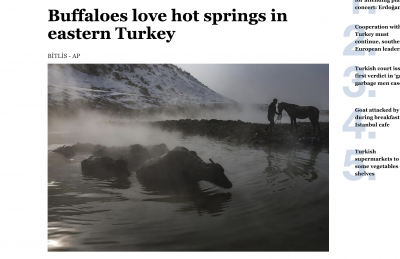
<point x="121" y="32"/>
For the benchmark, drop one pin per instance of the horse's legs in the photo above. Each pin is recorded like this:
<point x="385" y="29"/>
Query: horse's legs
<point x="291" y="124"/>
<point x="316" y="123"/>
<point x="313" y="124"/>
<point x="295" y="124"/>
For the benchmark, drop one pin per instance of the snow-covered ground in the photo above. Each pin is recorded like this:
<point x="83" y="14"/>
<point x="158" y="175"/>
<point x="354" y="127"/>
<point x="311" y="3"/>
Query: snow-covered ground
<point x="128" y="85"/>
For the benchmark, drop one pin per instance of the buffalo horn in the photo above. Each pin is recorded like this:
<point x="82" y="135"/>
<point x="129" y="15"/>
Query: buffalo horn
<point x="211" y="161"/>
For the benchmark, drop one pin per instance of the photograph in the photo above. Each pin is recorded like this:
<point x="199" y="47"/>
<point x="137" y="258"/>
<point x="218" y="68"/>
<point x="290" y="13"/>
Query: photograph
<point x="188" y="157"/>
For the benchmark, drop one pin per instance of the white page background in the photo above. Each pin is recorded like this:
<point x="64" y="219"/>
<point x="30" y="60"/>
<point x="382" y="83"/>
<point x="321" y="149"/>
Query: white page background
<point x="363" y="214"/>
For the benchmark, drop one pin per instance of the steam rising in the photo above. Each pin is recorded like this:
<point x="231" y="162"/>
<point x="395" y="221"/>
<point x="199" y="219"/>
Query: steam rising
<point x="109" y="130"/>
<point x="88" y="103"/>
<point x="95" y="128"/>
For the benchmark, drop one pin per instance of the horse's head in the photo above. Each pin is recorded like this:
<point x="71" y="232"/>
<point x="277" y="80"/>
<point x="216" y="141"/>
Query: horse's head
<point x="280" y="107"/>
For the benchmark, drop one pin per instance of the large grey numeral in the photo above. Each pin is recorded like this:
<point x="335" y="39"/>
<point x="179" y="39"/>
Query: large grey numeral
<point x="348" y="51"/>
<point x="356" y="11"/>
<point x="361" y="88"/>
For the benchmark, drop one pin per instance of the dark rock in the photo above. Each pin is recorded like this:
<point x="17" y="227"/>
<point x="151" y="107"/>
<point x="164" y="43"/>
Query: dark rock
<point x="248" y="132"/>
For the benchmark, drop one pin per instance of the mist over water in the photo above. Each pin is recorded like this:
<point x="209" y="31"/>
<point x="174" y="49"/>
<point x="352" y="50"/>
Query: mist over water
<point x="246" y="114"/>
<point x="94" y="128"/>
<point x="280" y="197"/>
<point x="278" y="202"/>
<point x="90" y="120"/>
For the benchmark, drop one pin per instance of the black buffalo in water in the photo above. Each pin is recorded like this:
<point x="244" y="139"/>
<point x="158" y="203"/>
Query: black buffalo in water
<point x="70" y="151"/>
<point x="136" y="155"/>
<point x="105" y="167"/>
<point x="157" y="150"/>
<point x="67" y="151"/>
<point x="113" y="152"/>
<point x="84" y="147"/>
<point x="181" y="167"/>
<point x="139" y="154"/>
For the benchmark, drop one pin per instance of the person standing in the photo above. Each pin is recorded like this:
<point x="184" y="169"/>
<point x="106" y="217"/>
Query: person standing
<point x="271" y="115"/>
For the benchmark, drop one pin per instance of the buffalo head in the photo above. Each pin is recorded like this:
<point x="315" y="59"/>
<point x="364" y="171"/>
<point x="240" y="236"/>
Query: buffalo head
<point x="214" y="173"/>
<point x="121" y="167"/>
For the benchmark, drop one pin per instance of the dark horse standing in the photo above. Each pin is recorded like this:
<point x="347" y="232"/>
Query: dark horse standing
<point x="300" y="112"/>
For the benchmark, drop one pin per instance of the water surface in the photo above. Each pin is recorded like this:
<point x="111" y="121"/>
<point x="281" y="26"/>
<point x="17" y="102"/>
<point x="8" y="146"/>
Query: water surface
<point x="279" y="202"/>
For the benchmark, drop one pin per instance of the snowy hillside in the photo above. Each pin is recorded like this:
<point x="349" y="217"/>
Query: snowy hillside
<point x="127" y="86"/>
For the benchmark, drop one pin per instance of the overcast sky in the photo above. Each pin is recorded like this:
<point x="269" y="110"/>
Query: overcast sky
<point x="302" y="84"/>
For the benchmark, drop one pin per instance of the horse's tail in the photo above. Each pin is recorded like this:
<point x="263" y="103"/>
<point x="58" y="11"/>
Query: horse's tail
<point x="317" y="114"/>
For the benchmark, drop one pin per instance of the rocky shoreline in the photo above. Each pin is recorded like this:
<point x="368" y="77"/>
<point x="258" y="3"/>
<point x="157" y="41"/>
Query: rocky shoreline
<point x="252" y="134"/>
